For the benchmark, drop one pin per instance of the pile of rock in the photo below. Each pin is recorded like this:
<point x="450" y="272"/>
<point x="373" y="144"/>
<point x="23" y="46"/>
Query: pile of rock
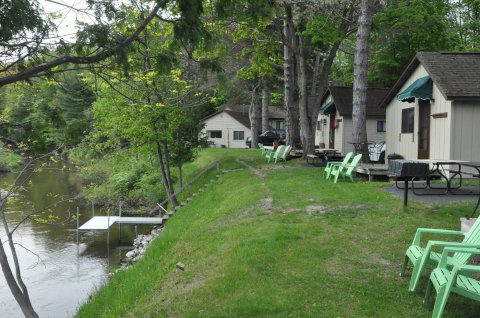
<point x="140" y="245"/>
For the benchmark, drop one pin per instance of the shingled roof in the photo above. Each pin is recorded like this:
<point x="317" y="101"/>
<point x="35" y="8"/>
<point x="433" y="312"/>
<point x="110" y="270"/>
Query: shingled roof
<point x="343" y="98"/>
<point x="240" y="114"/>
<point x="456" y="74"/>
<point x="273" y="112"/>
<point x="241" y="117"/>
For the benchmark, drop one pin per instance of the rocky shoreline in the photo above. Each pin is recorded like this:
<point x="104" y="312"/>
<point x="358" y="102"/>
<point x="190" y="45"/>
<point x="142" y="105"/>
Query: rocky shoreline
<point x="141" y="242"/>
<point x="140" y="245"/>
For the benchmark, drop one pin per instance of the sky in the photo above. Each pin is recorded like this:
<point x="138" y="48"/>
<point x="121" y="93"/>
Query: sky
<point x="66" y="13"/>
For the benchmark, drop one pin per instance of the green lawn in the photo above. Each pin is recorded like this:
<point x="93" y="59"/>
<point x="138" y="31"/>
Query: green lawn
<point x="280" y="241"/>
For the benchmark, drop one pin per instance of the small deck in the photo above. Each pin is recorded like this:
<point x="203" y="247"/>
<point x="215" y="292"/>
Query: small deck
<point x="105" y="222"/>
<point x="372" y="170"/>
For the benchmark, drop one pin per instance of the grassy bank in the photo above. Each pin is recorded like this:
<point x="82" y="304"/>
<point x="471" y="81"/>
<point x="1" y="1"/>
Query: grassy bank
<point x="280" y="241"/>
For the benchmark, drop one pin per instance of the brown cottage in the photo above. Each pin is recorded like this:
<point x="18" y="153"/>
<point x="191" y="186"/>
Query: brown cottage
<point x="334" y="125"/>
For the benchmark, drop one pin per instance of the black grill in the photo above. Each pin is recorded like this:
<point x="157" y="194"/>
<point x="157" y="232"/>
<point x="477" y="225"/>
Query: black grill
<point x="408" y="170"/>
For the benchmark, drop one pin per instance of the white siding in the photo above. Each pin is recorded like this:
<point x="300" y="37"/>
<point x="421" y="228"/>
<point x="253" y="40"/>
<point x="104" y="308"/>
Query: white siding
<point x="322" y="135"/>
<point x="339" y="142"/>
<point x="227" y="124"/>
<point x="403" y="144"/>
<point x="440" y="128"/>
<point x="372" y="134"/>
<point x="466" y="131"/>
<point x="347" y="134"/>
<point x="406" y="144"/>
<point x="343" y="134"/>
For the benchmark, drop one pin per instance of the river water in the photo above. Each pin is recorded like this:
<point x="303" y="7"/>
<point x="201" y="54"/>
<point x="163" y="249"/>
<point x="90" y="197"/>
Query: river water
<point x="60" y="275"/>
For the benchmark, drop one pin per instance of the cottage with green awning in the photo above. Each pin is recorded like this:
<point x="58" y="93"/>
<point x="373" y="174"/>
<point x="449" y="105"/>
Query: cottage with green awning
<point x="433" y="110"/>
<point x="335" y="125"/>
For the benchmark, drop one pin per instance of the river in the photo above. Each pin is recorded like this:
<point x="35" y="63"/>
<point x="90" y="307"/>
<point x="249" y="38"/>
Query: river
<point x="60" y="275"/>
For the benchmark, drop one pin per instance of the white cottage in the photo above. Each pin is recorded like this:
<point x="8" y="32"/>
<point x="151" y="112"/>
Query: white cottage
<point x="335" y="126"/>
<point x="433" y="111"/>
<point x="230" y="127"/>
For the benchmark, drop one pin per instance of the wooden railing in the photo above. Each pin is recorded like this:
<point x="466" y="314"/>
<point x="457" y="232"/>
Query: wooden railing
<point x="188" y="186"/>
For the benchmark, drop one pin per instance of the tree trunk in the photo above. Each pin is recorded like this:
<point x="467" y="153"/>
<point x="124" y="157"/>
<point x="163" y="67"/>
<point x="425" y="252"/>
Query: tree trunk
<point x="291" y="110"/>
<point x="359" y="117"/>
<point x="265" y="104"/>
<point x="20" y="296"/>
<point x="163" y="162"/>
<point x="307" y="136"/>
<point x="316" y="70"/>
<point x="180" y="175"/>
<point x="321" y="84"/>
<point x="253" y="114"/>
<point x="166" y="183"/>
<point x="15" y="283"/>
<point x="321" y="72"/>
<point x="169" y="177"/>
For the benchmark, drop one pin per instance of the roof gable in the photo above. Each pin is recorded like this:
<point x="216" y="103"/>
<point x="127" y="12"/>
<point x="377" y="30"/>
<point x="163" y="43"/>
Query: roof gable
<point x="456" y="74"/>
<point x="342" y="96"/>
<point x="273" y="112"/>
<point x="240" y="114"/>
<point x="241" y="117"/>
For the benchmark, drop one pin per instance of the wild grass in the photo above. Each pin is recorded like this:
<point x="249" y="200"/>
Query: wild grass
<point x="280" y="241"/>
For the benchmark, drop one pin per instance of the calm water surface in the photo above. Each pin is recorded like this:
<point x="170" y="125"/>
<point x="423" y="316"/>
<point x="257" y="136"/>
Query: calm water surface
<point x="59" y="274"/>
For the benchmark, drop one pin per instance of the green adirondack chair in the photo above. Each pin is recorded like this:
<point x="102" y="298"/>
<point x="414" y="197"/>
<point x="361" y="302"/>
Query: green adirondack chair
<point x="420" y="256"/>
<point x="283" y="156"/>
<point x="331" y="164"/>
<point x="457" y="280"/>
<point x="270" y="155"/>
<point x="262" y="149"/>
<point x="346" y="170"/>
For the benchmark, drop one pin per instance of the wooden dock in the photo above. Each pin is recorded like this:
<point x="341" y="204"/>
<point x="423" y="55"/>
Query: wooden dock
<point x="372" y="170"/>
<point x="105" y="222"/>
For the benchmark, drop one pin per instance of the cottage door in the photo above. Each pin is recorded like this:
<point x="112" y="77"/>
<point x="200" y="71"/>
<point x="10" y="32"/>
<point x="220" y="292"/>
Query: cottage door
<point x="331" y="139"/>
<point x="424" y="129"/>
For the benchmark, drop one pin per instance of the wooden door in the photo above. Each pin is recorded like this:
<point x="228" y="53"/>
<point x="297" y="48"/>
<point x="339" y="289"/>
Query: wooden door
<point x="424" y="129"/>
<point x="331" y="139"/>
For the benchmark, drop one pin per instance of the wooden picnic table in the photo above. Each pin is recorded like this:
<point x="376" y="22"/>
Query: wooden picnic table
<point x="328" y="154"/>
<point x="324" y="154"/>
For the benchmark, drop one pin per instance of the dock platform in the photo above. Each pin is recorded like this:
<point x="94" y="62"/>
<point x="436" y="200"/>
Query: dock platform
<point x="105" y="222"/>
<point x="372" y="170"/>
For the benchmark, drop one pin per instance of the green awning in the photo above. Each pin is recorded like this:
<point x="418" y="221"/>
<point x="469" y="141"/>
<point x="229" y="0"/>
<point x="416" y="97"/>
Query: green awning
<point x="328" y="108"/>
<point x="421" y="89"/>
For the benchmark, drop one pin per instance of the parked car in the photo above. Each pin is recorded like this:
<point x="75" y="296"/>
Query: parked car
<point x="268" y="137"/>
<point x="377" y="152"/>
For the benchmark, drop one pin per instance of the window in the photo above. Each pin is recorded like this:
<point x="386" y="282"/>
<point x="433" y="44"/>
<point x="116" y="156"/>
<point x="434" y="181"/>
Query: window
<point x="238" y="135"/>
<point x="381" y="126"/>
<point x="276" y="124"/>
<point x="408" y="116"/>
<point x="214" y="134"/>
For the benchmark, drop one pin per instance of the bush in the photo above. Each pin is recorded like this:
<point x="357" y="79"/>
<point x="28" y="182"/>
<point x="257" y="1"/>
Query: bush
<point x="122" y="176"/>
<point x="8" y="159"/>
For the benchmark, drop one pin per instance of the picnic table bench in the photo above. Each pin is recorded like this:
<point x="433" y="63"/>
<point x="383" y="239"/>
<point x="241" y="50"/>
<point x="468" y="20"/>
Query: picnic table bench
<point x="312" y="158"/>
<point x="324" y="155"/>
<point x="448" y="170"/>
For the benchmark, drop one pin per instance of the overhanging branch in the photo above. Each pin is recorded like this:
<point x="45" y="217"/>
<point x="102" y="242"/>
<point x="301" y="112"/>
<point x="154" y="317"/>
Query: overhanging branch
<point x="26" y="74"/>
